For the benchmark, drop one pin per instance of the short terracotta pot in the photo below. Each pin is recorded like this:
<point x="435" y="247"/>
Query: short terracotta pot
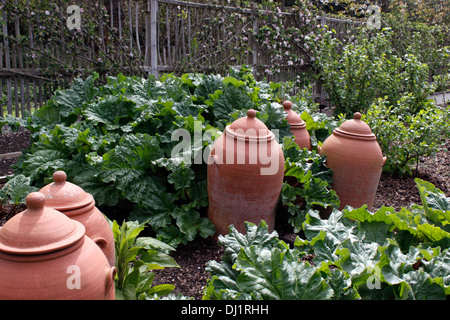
<point x="356" y="160"/>
<point x="44" y="255"/>
<point x="298" y="127"/>
<point x="79" y="205"/>
<point x="245" y="175"/>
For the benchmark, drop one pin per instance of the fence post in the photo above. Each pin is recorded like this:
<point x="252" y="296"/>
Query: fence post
<point x="7" y="60"/>
<point x="154" y="37"/>
<point x="254" y="31"/>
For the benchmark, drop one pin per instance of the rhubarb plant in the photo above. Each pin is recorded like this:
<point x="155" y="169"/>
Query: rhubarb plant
<point x="116" y="140"/>
<point x="354" y="254"/>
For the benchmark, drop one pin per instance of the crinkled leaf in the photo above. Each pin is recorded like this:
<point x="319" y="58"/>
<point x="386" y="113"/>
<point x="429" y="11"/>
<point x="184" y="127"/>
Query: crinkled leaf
<point x="16" y="189"/>
<point x="230" y="100"/>
<point x="255" y="235"/>
<point x="113" y="111"/>
<point x="275" y="275"/>
<point x="74" y="98"/>
<point x="181" y="177"/>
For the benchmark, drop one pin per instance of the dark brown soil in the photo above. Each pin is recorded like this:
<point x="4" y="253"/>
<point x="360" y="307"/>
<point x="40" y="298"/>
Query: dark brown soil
<point x="12" y="142"/>
<point x="191" y="278"/>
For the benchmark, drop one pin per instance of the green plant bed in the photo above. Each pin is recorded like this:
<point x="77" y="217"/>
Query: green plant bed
<point x="354" y="254"/>
<point x="117" y="142"/>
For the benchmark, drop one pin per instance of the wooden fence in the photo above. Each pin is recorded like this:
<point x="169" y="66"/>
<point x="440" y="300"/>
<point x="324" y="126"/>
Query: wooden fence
<point x="138" y="37"/>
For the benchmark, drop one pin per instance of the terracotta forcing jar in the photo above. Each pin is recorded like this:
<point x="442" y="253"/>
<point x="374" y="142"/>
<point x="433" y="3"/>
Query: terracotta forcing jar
<point x="245" y="175"/>
<point x="75" y="203"/>
<point x="298" y="127"/>
<point x="356" y="160"/>
<point x="45" y="255"/>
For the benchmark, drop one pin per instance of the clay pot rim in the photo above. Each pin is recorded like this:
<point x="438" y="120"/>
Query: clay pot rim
<point x="252" y="139"/>
<point x="89" y="201"/>
<point x="39" y="235"/>
<point x="77" y="210"/>
<point x="368" y="137"/>
<point x="298" y="125"/>
<point x="75" y="236"/>
<point x="43" y="255"/>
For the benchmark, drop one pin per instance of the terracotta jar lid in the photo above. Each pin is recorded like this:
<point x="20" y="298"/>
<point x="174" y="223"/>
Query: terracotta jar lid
<point x="292" y="117"/>
<point x="63" y="195"/>
<point x="356" y="128"/>
<point x="249" y="128"/>
<point x="39" y="229"/>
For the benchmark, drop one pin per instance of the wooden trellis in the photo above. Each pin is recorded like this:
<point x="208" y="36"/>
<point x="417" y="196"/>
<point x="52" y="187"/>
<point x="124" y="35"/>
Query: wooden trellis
<point x="142" y="36"/>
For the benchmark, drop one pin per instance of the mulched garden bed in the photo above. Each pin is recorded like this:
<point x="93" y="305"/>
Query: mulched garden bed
<point x="191" y="277"/>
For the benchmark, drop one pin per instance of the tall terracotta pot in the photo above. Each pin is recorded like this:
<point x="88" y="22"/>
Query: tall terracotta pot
<point x="298" y="127"/>
<point x="245" y="175"/>
<point x="79" y="205"/>
<point x="356" y="160"/>
<point x="45" y="255"/>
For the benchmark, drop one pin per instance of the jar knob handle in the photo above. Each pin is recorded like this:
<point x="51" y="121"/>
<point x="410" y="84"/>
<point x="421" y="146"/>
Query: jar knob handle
<point x="357" y="116"/>
<point x="35" y="200"/>
<point x="251" y="113"/>
<point x="59" y="177"/>
<point x="287" y="105"/>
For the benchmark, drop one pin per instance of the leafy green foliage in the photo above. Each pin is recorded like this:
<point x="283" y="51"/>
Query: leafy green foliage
<point x="354" y="254"/>
<point x="307" y="183"/>
<point x="355" y="74"/>
<point x="135" y="258"/>
<point x="16" y="189"/>
<point x="405" y="136"/>
<point x="116" y="140"/>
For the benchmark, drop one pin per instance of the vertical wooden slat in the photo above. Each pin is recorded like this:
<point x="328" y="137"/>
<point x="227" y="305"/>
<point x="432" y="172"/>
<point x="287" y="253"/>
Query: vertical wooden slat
<point x="1" y="81"/>
<point x="16" y="82"/>
<point x="147" y="35"/>
<point x="189" y="29"/>
<point x="111" y="12"/>
<point x="40" y="94"/>
<point x="7" y="61"/>
<point x="119" y="13"/>
<point x="20" y="65"/>
<point x="253" y="41"/>
<point x="130" y="24"/>
<point x="101" y="32"/>
<point x="169" y="59"/>
<point x="138" y="44"/>
<point x="27" y="94"/>
<point x="153" y="37"/>
<point x="183" y="40"/>
<point x="35" y="94"/>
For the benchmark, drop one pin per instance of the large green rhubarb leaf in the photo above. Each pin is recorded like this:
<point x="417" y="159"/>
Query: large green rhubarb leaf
<point x="275" y="274"/>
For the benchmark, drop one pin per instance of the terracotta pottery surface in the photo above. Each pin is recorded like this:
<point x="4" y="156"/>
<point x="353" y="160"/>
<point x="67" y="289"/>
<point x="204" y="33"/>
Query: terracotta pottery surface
<point x="45" y="255"/>
<point x="63" y="195"/>
<point x="245" y="175"/>
<point x="79" y="205"/>
<point x="356" y="160"/>
<point x="39" y="229"/>
<point x="298" y="127"/>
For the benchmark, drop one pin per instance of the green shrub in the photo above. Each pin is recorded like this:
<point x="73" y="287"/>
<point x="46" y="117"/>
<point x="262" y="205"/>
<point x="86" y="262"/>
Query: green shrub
<point x="405" y="136"/>
<point x="356" y="74"/>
